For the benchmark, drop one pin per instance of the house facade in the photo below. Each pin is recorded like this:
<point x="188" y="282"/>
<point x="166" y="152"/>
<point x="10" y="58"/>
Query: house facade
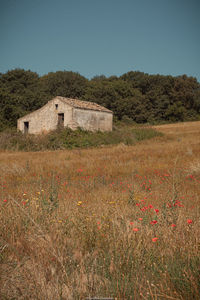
<point x="66" y="112"/>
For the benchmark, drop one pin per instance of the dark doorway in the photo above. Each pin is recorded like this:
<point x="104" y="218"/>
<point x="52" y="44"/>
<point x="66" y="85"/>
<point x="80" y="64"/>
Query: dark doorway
<point x="60" y="120"/>
<point x="26" y="127"/>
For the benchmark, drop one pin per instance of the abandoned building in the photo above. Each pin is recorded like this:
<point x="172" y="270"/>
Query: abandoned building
<point x="65" y="112"/>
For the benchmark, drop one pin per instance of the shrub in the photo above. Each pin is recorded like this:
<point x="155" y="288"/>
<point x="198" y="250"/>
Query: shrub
<point x="69" y="139"/>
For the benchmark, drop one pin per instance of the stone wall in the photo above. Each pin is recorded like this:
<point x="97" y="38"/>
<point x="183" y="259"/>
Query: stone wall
<point x="93" y="120"/>
<point x="46" y="118"/>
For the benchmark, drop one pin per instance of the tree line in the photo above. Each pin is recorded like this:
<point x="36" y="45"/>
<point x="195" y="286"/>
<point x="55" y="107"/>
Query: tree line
<point x="135" y="95"/>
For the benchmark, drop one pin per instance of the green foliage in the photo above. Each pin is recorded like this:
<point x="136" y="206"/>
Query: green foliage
<point x="143" y="133"/>
<point x="19" y="95"/>
<point x="137" y="96"/>
<point x="63" y="83"/>
<point x="69" y="139"/>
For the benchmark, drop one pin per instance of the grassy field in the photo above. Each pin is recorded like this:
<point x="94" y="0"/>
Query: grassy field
<point x="117" y="221"/>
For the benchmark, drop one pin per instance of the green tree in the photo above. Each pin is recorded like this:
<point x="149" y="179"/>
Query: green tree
<point x="18" y="95"/>
<point x="63" y="83"/>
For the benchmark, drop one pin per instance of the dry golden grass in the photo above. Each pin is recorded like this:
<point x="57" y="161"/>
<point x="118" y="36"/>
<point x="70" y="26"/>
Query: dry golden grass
<point x="78" y="223"/>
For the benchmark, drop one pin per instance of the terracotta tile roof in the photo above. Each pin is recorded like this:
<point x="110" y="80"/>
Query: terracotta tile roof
<point x="83" y="104"/>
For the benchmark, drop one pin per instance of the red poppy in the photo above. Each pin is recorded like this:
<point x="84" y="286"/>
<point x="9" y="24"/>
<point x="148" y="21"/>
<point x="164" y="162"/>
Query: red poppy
<point x="140" y="219"/>
<point x="154" y="222"/>
<point x="189" y="221"/>
<point x="144" y="208"/>
<point x="156" y="210"/>
<point x="154" y="239"/>
<point x="173" y="225"/>
<point x="135" y="229"/>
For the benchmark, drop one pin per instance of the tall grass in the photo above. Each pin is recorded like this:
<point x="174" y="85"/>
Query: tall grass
<point x="119" y="222"/>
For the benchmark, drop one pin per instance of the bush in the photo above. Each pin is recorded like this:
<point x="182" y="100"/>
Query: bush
<point x="69" y="139"/>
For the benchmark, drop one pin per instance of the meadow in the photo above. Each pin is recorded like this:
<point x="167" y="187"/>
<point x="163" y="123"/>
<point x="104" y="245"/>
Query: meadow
<point x="116" y="221"/>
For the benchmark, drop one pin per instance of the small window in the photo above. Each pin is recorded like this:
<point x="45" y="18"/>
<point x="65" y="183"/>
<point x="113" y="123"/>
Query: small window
<point x="56" y="105"/>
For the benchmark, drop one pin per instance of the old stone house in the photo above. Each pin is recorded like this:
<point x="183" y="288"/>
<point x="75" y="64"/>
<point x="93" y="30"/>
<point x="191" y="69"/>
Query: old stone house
<point x="67" y="112"/>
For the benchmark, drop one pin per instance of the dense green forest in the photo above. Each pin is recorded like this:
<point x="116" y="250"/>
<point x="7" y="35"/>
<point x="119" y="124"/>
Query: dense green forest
<point x="135" y="96"/>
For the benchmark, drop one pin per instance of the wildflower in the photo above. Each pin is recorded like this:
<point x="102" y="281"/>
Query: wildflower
<point x="5" y="200"/>
<point x="173" y="225"/>
<point x="79" y="203"/>
<point x="154" y="239"/>
<point x="131" y="223"/>
<point x="154" y="222"/>
<point x="189" y="221"/>
<point x="156" y="210"/>
<point x="135" y="229"/>
<point x="145" y="207"/>
<point x="140" y="219"/>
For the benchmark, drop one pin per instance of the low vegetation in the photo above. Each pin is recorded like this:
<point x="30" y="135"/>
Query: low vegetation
<point x="119" y="221"/>
<point x="69" y="139"/>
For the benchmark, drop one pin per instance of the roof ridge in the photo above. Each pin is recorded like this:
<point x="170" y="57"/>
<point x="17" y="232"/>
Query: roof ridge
<point x="83" y="104"/>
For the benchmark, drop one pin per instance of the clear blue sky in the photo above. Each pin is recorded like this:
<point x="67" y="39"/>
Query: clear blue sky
<point x="95" y="37"/>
